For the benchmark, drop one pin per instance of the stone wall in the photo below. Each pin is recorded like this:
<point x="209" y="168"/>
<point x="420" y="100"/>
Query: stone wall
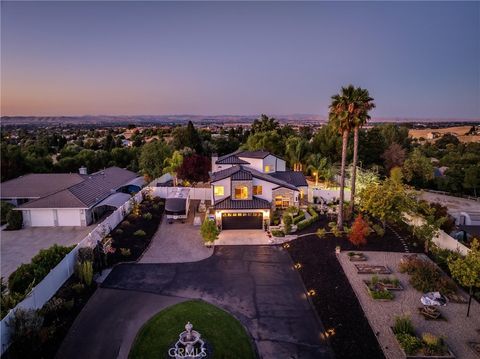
<point x="247" y="184"/>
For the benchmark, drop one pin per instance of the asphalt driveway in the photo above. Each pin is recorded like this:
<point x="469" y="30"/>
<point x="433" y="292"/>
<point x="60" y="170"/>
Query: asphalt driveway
<point x="256" y="284"/>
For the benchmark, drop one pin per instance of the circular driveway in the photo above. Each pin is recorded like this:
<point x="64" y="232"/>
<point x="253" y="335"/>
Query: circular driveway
<point x="256" y="284"/>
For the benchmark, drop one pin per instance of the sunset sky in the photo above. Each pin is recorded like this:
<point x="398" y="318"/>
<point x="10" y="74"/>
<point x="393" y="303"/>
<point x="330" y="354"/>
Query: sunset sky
<point x="418" y="59"/>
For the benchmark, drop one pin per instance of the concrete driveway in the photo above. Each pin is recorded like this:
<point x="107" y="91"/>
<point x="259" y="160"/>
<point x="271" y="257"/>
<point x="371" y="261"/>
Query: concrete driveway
<point x="242" y="237"/>
<point x="177" y="242"/>
<point x="20" y="246"/>
<point x="256" y="284"/>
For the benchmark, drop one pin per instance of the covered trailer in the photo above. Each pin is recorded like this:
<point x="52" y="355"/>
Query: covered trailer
<point x="177" y="204"/>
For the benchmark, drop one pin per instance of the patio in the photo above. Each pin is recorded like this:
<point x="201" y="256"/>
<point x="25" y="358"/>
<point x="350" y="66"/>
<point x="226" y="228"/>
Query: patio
<point x="457" y="329"/>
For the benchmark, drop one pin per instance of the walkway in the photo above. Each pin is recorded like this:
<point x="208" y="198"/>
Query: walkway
<point x="256" y="284"/>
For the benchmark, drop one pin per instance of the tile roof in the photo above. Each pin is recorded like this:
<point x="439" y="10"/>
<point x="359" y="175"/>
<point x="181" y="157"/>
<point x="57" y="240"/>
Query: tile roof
<point x="293" y="177"/>
<point x="234" y="157"/>
<point x="254" y="203"/>
<point x="91" y="190"/>
<point x="36" y="185"/>
<point x="241" y="175"/>
<point x="231" y="160"/>
<point x="254" y="154"/>
<point x="229" y="172"/>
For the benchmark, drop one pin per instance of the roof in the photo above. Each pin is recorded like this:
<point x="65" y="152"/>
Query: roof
<point x="254" y="203"/>
<point x="234" y="157"/>
<point x="231" y="160"/>
<point x="36" y="185"/>
<point x="232" y="172"/>
<point x="254" y="154"/>
<point x="91" y="190"/>
<point x="242" y="175"/>
<point x="293" y="177"/>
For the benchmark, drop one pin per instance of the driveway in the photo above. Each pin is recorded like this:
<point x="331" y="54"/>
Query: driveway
<point x="242" y="237"/>
<point x="177" y="242"/>
<point x="256" y="284"/>
<point x="20" y="246"/>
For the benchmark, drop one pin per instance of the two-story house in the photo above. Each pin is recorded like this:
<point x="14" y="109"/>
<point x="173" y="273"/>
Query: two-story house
<point x="248" y="185"/>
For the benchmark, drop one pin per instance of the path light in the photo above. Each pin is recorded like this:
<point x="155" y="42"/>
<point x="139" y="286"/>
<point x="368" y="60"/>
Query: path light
<point x="330" y="332"/>
<point x="297" y="266"/>
<point x="286" y="245"/>
<point x="311" y="292"/>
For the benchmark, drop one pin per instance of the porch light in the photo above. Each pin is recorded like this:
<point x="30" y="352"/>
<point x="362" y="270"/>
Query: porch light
<point x="311" y="292"/>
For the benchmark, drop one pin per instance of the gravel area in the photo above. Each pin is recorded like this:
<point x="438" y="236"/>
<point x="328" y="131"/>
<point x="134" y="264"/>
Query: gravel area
<point x="458" y="329"/>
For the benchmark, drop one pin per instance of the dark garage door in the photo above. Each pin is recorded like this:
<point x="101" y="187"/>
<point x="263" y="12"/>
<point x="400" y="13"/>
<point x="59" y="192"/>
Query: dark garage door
<point x="242" y="220"/>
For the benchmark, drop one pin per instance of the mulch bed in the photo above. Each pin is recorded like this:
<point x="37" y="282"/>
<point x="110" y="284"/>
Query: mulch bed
<point x="335" y="300"/>
<point x="123" y="235"/>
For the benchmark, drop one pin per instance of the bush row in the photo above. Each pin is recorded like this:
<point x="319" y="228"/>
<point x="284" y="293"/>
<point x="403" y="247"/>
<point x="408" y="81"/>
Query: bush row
<point x="308" y="222"/>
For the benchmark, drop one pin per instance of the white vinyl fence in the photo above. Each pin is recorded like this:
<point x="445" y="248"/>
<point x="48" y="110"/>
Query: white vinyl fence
<point x="195" y="193"/>
<point x="45" y="290"/>
<point x="327" y="195"/>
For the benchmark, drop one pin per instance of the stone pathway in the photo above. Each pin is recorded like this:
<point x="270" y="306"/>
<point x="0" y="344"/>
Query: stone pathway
<point x="400" y="238"/>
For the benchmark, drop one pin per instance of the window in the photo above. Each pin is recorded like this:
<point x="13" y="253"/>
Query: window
<point x="281" y="202"/>
<point x="218" y="190"/>
<point x="268" y="168"/>
<point x="241" y="192"/>
<point x="257" y="190"/>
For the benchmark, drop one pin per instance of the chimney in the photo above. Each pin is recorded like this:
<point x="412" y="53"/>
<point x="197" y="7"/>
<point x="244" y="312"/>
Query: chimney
<point x="83" y="170"/>
<point x="214" y="159"/>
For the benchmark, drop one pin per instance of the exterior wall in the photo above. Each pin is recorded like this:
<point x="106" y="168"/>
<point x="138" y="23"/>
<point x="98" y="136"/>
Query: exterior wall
<point x="270" y="161"/>
<point x="216" y="168"/>
<point x="286" y="193"/>
<point x="281" y="165"/>
<point x="68" y="217"/>
<point x="255" y="163"/>
<point x="247" y="184"/>
<point x="227" y="190"/>
<point x="41" y="218"/>
<point x="267" y="188"/>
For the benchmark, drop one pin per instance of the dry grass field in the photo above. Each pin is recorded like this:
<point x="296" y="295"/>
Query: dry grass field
<point x="458" y="131"/>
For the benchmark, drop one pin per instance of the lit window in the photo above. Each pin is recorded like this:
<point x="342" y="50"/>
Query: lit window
<point x="241" y="192"/>
<point x="257" y="190"/>
<point x="218" y="190"/>
<point x="268" y="168"/>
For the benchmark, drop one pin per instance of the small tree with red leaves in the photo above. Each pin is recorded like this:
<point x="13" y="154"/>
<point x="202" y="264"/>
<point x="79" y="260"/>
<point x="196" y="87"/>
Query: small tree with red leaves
<point x="194" y="168"/>
<point x="359" y="232"/>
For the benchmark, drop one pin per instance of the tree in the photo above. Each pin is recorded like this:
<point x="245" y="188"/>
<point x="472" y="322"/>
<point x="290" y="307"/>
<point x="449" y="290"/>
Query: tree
<point x="270" y="141"/>
<point x="389" y="199"/>
<point x="320" y="167"/>
<point x="194" y="168"/>
<point x="394" y="156"/>
<point x="359" y="232"/>
<point x="327" y="143"/>
<point x="152" y="158"/>
<point x="295" y="150"/>
<point x="472" y="178"/>
<point x="15" y="220"/>
<point x="187" y="136"/>
<point x="417" y="168"/>
<point x="172" y="164"/>
<point x="363" y="103"/>
<point x="209" y="231"/>
<point x="466" y="270"/>
<point x="264" y="124"/>
<point x="347" y="111"/>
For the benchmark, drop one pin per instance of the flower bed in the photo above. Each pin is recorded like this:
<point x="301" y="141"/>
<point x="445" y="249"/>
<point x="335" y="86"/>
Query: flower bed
<point x="131" y="237"/>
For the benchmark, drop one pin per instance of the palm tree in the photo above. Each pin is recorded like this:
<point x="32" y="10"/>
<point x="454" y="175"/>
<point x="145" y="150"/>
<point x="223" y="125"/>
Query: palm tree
<point x="295" y="149"/>
<point x="342" y="111"/>
<point x="320" y="167"/>
<point x="364" y="103"/>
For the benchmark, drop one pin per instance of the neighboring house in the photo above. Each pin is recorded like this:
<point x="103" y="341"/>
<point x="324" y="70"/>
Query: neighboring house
<point x="69" y="199"/>
<point x="248" y="185"/>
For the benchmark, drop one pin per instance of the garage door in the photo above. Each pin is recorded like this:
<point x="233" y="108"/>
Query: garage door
<point x="68" y="217"/>
<point x="242" y="220"/>
<point x="41" y="218"/>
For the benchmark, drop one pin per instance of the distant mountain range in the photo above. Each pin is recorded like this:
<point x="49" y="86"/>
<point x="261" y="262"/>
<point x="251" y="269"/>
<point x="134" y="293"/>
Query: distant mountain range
<point x="201" y="119"/>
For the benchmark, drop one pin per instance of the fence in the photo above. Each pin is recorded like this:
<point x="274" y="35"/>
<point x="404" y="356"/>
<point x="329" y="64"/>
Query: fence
<point x="443" y="240"/>
<point x="328" y="195"/>
<point x="45" y="290"/>
<point x="195" y="193"/>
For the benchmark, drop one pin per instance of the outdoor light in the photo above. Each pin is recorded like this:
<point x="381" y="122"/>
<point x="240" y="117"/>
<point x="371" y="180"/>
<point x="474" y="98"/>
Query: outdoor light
<point x="297" y="266"/>
<point x="330" y="332"/>
<point x="311" y="292"/>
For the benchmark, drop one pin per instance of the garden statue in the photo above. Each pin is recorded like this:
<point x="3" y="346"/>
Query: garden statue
<point x="189" y="344"/>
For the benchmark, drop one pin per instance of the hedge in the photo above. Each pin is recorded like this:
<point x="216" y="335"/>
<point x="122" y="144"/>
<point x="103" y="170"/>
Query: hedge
<point x="308" y="222"/>
<point x="299" y="218"/>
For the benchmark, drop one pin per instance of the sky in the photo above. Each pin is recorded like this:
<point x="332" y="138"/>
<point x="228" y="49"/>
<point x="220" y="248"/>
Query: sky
<point x="417" y="59"/>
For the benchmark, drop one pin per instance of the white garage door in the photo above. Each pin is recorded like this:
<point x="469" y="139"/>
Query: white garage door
<point x="41" y="218"/>
<point x="68" y="217"/>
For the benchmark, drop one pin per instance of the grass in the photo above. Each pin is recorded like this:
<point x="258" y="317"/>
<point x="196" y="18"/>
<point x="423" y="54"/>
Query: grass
<point x="223" y="333"/>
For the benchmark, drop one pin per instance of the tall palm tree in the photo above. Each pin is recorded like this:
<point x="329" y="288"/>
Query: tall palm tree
<point x="342" y="112"/>
<point x="364" y="103"/>
<point x="295" y="149"/>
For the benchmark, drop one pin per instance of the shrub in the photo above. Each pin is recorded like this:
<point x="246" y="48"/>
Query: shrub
<point x="336" y="232"/>
<point x="300" y="217"/>
<point x="140" y="233"/>
<point x="21" y="279"/>
<point x="14" y="220"/>
<point x="5" y="209"/>
<point x="378" y="229"/>
<point x="409" y="343"/>
<point x="125" y="224"/>
<point x="156" y="207"/>
<point x="25" y="327"/>
<point x="132" y="217"/>
<point x="426" y="277"/>
<point x="125" y="252"/>
<point x="308" y="222"/>
<point x="403" y="325"/>
<point x="360" y="230"/>
<point x="147" y="216"/>
<point x="85" y="272"/>
<point x="276" y="233"/>
<point x="321" y="232"/>
<point x="287" y="222"/>
<point x="433" y="345"/>
<point x="382" y="294"/>
<point x="119" y="232"/>
<point x="209" y="231"/>
<point x="85" y="254"/>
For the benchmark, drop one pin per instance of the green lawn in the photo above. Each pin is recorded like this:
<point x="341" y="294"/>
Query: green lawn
<point x="223" y="332"/>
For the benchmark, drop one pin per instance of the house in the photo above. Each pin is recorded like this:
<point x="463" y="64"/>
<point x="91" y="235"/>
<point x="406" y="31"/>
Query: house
<point x="69" y="199"/>
<point x="248" y="185"/>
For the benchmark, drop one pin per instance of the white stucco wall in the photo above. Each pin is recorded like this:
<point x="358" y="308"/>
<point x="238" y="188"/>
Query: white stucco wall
<point x="266" y="188"/>
<point x="227" y="189"/>
<point x="255" y="163"/>
<point x="216" y="168"/>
